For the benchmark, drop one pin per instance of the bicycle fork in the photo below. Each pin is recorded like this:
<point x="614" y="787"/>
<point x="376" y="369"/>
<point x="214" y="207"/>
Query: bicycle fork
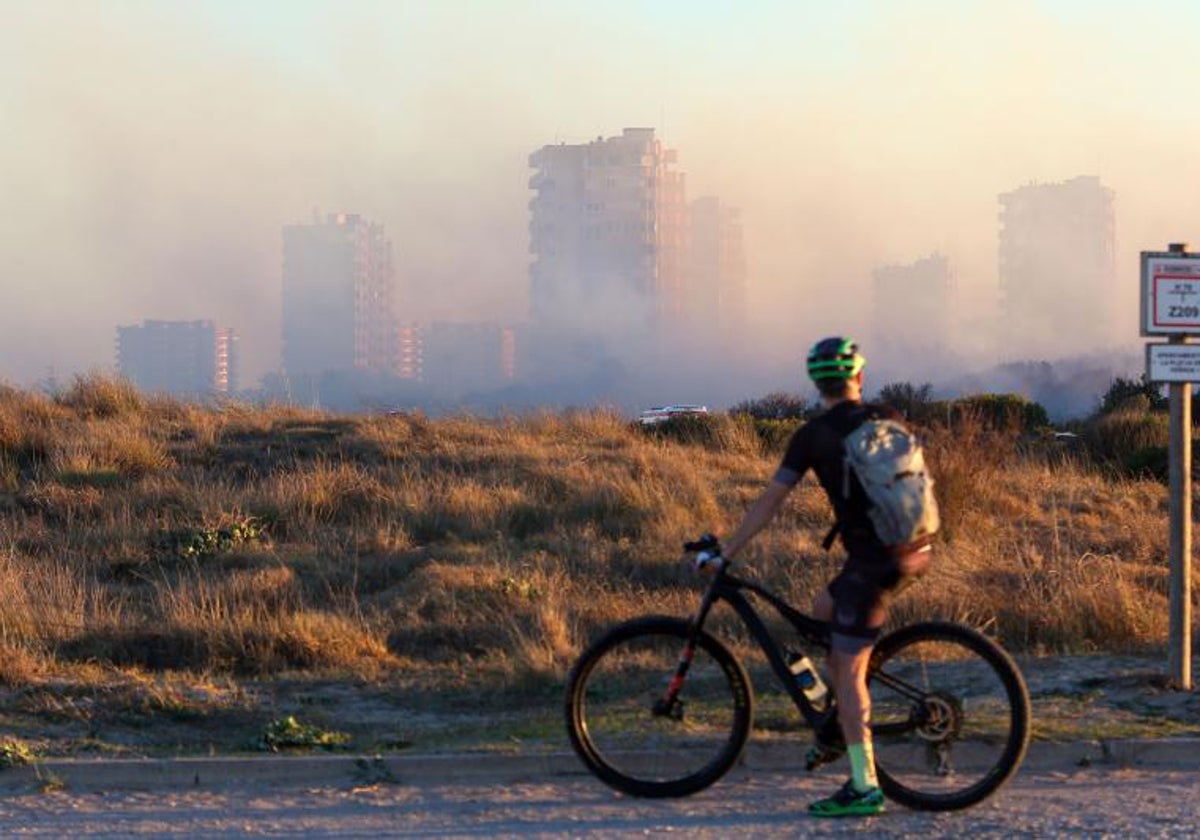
<point x="668" y="705"/>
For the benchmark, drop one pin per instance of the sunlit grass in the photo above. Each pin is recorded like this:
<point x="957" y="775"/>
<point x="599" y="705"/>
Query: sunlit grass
<point x="482" y="555"/>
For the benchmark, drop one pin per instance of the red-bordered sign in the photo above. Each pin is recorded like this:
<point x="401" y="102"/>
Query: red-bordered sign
<point x="1176" y="300"/>
<point x="1170" y="293"/>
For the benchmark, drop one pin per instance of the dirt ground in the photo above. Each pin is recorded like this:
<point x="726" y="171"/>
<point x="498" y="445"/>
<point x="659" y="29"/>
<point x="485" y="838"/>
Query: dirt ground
<point x="1074" y="698"/>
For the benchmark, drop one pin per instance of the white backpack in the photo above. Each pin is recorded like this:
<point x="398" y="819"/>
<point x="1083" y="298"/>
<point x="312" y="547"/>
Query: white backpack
<point x="890" y="465"/>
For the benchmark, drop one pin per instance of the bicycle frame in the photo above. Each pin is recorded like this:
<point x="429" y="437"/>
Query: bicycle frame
<point x="730" y="589"/>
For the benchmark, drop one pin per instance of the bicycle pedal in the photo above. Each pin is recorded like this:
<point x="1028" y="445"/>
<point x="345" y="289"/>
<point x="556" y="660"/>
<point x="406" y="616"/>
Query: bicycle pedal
<point x="819" y="756"/>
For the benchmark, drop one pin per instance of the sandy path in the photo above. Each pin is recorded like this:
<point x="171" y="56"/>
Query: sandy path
<point x="1097" y="802"/>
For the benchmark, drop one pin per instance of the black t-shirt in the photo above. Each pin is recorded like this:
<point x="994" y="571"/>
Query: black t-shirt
<point x="817" y="445"/>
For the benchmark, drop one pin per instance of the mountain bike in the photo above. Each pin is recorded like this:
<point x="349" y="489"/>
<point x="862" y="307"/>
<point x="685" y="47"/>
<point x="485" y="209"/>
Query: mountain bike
<point x="660" y="707"/>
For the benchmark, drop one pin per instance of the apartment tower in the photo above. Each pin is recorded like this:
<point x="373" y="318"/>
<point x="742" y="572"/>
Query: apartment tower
<point x="911" y="305"/>
<point x="717" y="271"/>
<point x="181" y="358"/>
<point x="1058" y="277"/>
<point x="465" y="358"/>
<point x="338" y="298"/>
<point x="608" y="231"/>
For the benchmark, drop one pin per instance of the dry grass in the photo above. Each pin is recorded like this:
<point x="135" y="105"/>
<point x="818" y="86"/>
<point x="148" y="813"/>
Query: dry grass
<point x="382" y="543"/>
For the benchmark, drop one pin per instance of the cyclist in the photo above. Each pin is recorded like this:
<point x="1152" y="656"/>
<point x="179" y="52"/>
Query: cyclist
<point x="855" y="602"/>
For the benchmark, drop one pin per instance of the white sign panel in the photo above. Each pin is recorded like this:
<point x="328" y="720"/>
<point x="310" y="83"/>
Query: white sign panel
<point x="1173" y="362"/>
<point x="1170" y="294"/>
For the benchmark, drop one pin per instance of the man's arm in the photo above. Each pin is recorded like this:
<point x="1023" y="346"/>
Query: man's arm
<point x="756" y="517"/>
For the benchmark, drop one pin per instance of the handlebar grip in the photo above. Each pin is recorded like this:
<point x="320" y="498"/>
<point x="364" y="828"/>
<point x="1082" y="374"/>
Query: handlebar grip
<point x="708" y="542"/>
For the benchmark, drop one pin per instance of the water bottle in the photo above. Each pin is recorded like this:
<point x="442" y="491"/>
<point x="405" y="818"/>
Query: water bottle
<point x="808" y="680"/>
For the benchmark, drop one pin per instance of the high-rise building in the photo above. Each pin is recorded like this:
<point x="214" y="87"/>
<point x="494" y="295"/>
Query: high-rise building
<point x="1058" y="278"/>
<point x="911" y="306"/>
<point x="465" y="358"/>
<point x="410" y="352"/>
<point x="608" y="231"/>
<point x="717" y="271"/>
<point x="182" y="358"/>
<point x="338" y="297"/>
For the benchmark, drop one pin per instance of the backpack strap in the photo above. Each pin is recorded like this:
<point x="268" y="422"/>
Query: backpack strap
<point x="827" y="543"/>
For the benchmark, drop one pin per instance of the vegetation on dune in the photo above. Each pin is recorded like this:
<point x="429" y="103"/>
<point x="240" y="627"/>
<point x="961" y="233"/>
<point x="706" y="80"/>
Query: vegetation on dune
<point x="152" y="536"/>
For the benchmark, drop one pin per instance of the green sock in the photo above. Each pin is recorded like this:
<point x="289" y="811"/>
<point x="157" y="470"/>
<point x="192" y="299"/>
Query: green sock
<point x="862" y="766"/>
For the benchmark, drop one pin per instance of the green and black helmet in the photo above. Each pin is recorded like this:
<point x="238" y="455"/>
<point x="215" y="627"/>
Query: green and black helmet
<point x="835" y="358"/>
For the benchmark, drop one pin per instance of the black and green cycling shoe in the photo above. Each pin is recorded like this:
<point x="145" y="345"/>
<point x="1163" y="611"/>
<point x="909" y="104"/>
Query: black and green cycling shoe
<point x="849" y="802"/>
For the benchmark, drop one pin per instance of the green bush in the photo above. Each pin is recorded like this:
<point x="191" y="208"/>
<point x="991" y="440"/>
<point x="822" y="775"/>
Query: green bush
<point x="1002" y="412"/>
<point x="1127" y="434"/>
<point x="197" y="543"/>
<point x="1140" y="394"/>
<point x="15" y="753"/>
<point x="288" y="732"/>
<point x="774" y="434"/>
<point x="1152" y="461"/>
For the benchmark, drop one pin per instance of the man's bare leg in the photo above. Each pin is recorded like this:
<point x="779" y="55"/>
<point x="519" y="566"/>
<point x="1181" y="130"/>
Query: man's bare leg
<point x="848" y="671"/>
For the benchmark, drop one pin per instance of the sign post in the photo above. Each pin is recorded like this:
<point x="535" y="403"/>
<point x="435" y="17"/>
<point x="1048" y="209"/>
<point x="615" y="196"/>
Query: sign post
<point x="1170" y="305"/>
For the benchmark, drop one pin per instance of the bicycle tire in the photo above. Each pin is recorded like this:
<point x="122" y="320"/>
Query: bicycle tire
<point x="611" y="692"/>
<point x="966" y="732"/>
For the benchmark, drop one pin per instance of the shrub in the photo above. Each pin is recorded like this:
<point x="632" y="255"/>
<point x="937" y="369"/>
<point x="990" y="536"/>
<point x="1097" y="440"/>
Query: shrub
<point x="133" y="453"/>
<point x="197" y="543"/>
<point x="774" y="418"/>
<point x="913" y="401"/>
<point x="774" y="434"/>
<point x="15" y="753"/>
<point x="717" y="432"/>
<point x="289" y="732"/>
<point x="27" y="428"/>
<point x="1141" y="394"/>
<point x="1133" y="441"/>
<point x="1002" y="412"/>
<point x="93" y="395"/>
<point x="777" y="405"/>
<point x="1153" y="461"/>
<point x="1121" y="436"/>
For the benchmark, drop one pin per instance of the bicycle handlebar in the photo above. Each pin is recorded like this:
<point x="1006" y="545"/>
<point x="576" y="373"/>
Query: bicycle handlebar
<point x="708" y="542"/>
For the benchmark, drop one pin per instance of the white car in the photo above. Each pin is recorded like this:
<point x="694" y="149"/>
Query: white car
<point x="661" y="413"/>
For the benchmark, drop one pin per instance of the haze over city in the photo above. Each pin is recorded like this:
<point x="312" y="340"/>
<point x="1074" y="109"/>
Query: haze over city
<point x="152" y="152"/>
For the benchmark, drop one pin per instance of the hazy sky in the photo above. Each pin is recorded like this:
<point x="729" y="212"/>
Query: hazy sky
<point x="150" y="152"/>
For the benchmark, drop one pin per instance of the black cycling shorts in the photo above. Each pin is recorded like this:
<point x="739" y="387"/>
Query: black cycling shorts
<point x="861" y="592"/>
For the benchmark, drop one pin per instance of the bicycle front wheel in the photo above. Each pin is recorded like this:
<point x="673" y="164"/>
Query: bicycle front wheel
<point x="640" y="736"/>
<point x="949" y="716"/>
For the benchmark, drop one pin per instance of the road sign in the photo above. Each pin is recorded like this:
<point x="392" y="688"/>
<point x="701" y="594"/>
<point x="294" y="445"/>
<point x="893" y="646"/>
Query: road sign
<point x="1170" y="302"/>
<point x="1170" y="293"/>
<point x="1173" y="362"/>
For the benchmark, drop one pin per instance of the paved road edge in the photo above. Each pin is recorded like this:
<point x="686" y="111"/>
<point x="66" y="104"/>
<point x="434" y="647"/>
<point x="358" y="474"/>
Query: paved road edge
<point x="231" y="771"/>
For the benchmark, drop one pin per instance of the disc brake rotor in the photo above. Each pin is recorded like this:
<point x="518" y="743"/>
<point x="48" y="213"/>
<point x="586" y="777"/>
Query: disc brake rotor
<point x="940" y="720"/>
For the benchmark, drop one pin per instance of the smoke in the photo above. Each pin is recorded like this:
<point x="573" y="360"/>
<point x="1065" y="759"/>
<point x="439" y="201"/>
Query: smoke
<point x="153" y="152"/>
<point x="153" y="162"/>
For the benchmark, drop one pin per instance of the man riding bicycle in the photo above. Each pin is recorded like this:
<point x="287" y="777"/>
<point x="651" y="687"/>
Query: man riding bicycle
<point x="855" y="602"/>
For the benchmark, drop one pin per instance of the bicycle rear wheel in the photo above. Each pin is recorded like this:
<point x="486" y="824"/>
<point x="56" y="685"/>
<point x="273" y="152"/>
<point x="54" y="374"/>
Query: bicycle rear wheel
<point x="949" y="716"/>
<point x="629" y="737"/>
